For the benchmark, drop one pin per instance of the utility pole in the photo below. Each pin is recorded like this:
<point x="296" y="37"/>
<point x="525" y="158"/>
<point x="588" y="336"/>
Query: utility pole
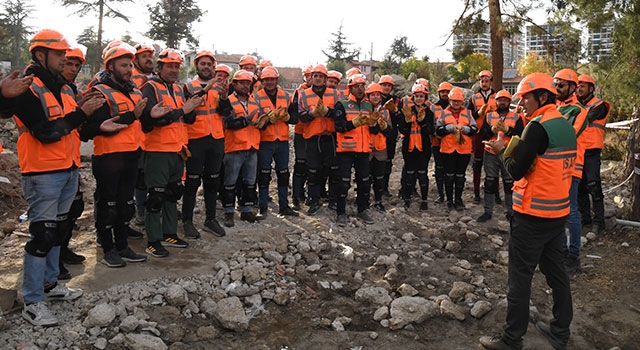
<point x="371" y="62"/>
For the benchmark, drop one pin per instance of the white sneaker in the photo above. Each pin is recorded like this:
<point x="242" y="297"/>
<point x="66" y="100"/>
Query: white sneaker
<point x="38" y="314"/>
<point x="62" y="292"/>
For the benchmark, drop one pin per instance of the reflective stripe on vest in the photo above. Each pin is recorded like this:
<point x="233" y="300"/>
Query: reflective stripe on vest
<point x="246" y="138"/>
<point x="208" y="121"/>
<point x="594" y="134"/>
<point x="509" y="120"/>
<point x="577" y="117"/>
<point x="125" y="140"/>
<point x="171" y="137"/>
<point x="358" y="139"/>
<point x="280" y="130"/>
<point x="438" y="112"/>
<point x="479" y="101"/>
<point x="319" y="125"/>
<point x="448" y="143"/>
<point x="379" y="140"/>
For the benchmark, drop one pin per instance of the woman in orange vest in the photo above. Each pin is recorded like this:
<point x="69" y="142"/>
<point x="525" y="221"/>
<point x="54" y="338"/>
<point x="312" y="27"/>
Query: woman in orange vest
<point x="417" y="126"/>
<point x="456" y="126"/>
<point x="379" y="154"/>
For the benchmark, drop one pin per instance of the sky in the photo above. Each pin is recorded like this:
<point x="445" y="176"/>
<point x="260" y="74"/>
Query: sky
<point x="288" y="33"/>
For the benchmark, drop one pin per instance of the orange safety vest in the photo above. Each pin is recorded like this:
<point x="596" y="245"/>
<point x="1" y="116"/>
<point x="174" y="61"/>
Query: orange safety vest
<point x="280" y="130"/>
<point x="35" y="156"/>
<point x="299" y="127"/>
<point x="379" y="140"/>
<point x="594" y="133"/>
<point x="579" y="126"/>
<point x="509" y="120"/>
<point x="138" y="78"/>
<point x="208" y="121"/>
<point x="478" y="101"/>
<point x="172" y="137"/>
<point x="246" y="138"/>
<point x="358" y="139"/>
<point x="319" y="125"/>
<point x="544" y="192"/>
<point x="438" y="112"/>
<point x="125" y="140"/>
<point x="415" y="138"/>
<point x="448" y="143"/>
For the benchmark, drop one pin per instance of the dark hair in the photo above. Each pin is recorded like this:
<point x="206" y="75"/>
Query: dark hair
<point x="551" y="97"/>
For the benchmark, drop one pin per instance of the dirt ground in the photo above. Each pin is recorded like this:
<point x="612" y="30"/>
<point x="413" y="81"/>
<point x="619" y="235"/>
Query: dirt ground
<point x="605" y="296"/>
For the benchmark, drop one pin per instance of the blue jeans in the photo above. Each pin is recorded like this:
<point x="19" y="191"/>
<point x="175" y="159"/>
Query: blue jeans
<point x="573" y="221"/>
<point x="277" y="151"/>
<point x="240" y="163"/>
<point x="48" y="196"/>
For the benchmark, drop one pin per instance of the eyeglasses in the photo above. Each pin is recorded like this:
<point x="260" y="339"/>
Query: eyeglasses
<point x="559" y="85"/>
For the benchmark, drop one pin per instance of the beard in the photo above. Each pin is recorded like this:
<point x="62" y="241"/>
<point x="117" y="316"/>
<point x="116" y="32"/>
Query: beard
<point x="502" y="109"/>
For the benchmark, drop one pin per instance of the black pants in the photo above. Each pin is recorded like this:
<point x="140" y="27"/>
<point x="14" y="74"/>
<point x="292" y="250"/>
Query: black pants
<point x="455" y="166"/>
<point x="323" y="163"/>
<point x="204" y="165"/>
<point x="536" y="241"/>
<point x="360" y="162"/>
<point x="416" y="164"/>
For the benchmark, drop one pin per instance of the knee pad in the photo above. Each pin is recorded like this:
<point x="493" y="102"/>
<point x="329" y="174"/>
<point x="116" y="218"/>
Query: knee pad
<point x="477" y="165"/>
<point x="140" y="180"/>
<point x="300" y="167"/>
<point x="174" y="192"/>
<point x="249" y="196"/>
<point x="422" y="176"/>
<point x="77" y="207"/>
<point x="410" y="177"/>
<point x="64" y="228"/>
<point x="283" y="177"/>
<point x="44" y="238"/>
<point x="192" y="183"/>
<point x="595" y="189"/>
<point x="508" y="185"/>
<point x="156" y="198"/>
<point x="228" y="196"/>
<point x="314" y="177"/>
<point x="264" y="178"/>
<point x="211" y="182"/>
<point x="106" y="215"/>
<point x="490" y="185"/>
<point x="460" y="179"/>
<point x="342" y="186"/>
<point x="126" y="211"/>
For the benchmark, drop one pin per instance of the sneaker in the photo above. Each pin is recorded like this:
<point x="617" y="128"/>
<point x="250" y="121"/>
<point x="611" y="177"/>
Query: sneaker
<point x="477" y="199"/>
<point x="379" y="206"/>
<point x="288" y="211"/>
<point x="314" y="208"/>
<point x="38" y="314"/>
<point x="248" y="216"/>
<point x="134" y="234"/>
<point x="113" y="259"/>
<point x="484" y="217"/>
<point x="296" y="204"/>
<point x="64" y="274"/>
<point x="571" y="264"/>
<point x="62" y="292"/>
<point x="228" y="220"/>
<point x="71" y="258"/>
<point x="424" y="206"/>
<point x="174" y="241"/>
<point x="262" y="214"/>
<point x="364" y="216"/>
<point x="190" y="231"/>
<point x="341" y="220"/>
<point x="156" y="249"/>
<point x="450" y="206"/>
<point x="212" y="226"/>
<point x="556" y="343"/>
<point x="496" y="343"/>
<point x="459" y="205"/>
<point x="440" y="199"/>
<point x="129" y="255"/>
<point x="332" y="206"/>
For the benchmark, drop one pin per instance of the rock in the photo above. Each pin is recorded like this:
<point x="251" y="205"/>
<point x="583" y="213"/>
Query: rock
<point x="408" y="237"/>
<point x="129" y="324"/>
<point x="373" y="335"/>
<point x="453" y="311"/>
<point x="373" y="295"/>
<point x="459" y="272"/>
<point x="230" y="314"/>
<point x="624" y="244"/>
<point x="252" y="273"/>
<point x="502" y="257"/>
<point x="281" y="298"/>
<point x="480" y="308"/>
<point x="118" y="339"/>
<point x="453" y="246"/>
<point x="471" y="235"/>
<point x="337" y="326"/>
<point x="100" y="343"/>
<point x="314" y="267"/>
<point x="591" y="236"/>
<point x="384" y="260"/>
<point x="273" y="256"/>
<point x="381" y="313"/>
<point x="459" y="290"/>
<point x="208" y="332"/>
<point x="405" y="310"/>
<point x="407" y="290"/>
<point x="144" y="342"/>
<point x="101" y="315"/>
<point x="172" y="332"/>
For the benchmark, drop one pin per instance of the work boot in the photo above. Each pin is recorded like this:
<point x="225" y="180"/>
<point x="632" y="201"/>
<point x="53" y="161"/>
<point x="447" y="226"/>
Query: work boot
<point x="190" y="230"/>
<point x="496" y="343"/>
<point x="484" y="217"/>
<point x="364" y="216"/>
<point x="248" y="216"/>
<point x="228" y="220"/>
<point x="288" y="211"/>
<point x="212" y="226"/>
<point x="556" y="343"/>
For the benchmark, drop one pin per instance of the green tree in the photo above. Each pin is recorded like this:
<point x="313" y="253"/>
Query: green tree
<point x="533" y="63"/>
<point x="101" y="8"/>
<point x="171" y="21"/>
<point x="15" y="32"/>
<point x="89" y="38"/>
<point x="414" y="65"/>
<point x="468" y="68"/>
<point x="399" y="52"/>
<point x="338" y="65"/>
<point x="339" y="49"/>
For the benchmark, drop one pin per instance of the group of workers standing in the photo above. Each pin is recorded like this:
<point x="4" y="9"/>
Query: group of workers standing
<point x="161" y="140"/>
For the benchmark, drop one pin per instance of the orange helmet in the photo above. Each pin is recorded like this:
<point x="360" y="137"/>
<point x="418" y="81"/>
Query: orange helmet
<point x="49" y="39"/>
<point x="485" y="73"/>
<point x="204" y="53"/>
<point x="76" y="53"/>
<point x="122" y="50"/>
<point x="456" y="94"/>
<point x="445" y="86"/>
<point x="321" y="68"/>
<point x="352" y="71"/>
<point x="386" y="79"/>
<point x="269" y="72"/>
<point x="247" y="59"/>
<point x="422" y="81"/>
<point x="373" y="87"/>
<point x="110" y="45"/>
<point x="586" y="78"/>
<point x="170" y="56"/>
<point x="223" y="68"/>
<point x="357" y="79"/>
<point x="140" y="48"/>
<point x="335" y="74"/>
<point x="535" y="81"/>
<point x="567" y="74"/>
<point x="307" y="70"/>
<point x="242" y="75"/>
<point x="265" y="63"/>
<point x="416" y="88"/>
<point x="503" y="93"/>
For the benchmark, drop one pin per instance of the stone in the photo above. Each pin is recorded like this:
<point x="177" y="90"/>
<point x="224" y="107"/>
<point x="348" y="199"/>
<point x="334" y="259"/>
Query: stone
<point x="406" y="310"/>
<point x="502" y="257"/>
<point x="273" y="256"/>
<point x="207" y="332"/>
<point x="459" y="290"/>
<point x="230" y="314"/>
<point x="472" y="235"/>
<point x="407" y="290"/>
<point x="373" y="295"/>
<point x="252" y="273"/>
<point x="100" y="343"/>
<point x="101" y="315"/>
<point x="144" y="342"/>
<point x="459" y="272"/>
<point x="480" y="308"/>
<point x="129" y="324"/>
<point x="453" y="311"/>
<point x="281" y="298"/>
<point x="384" y="260"/>
<point x="381" y="313"/>
<point x="313" y="268"/>
<point x="172" y="332"/>
<point x="453" y="246"/>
